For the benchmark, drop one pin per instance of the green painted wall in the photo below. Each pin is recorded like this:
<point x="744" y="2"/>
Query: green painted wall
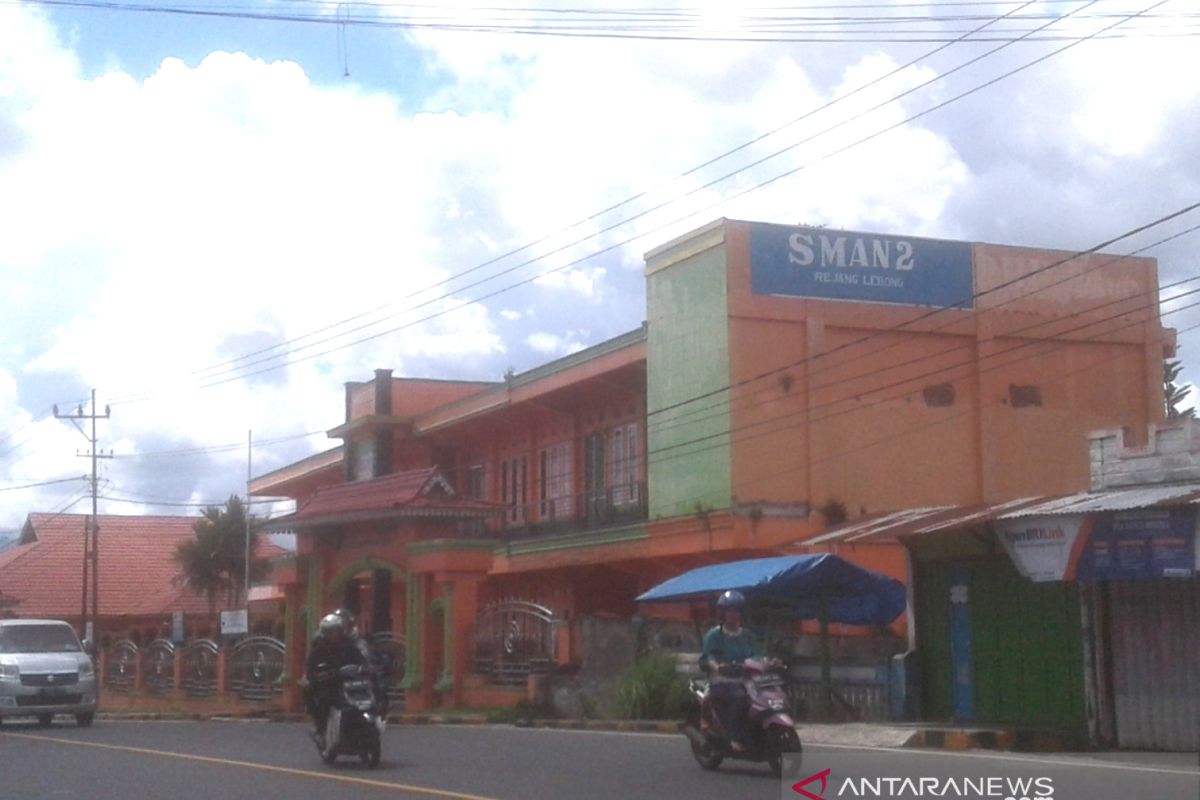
<point x="687" y="355"/>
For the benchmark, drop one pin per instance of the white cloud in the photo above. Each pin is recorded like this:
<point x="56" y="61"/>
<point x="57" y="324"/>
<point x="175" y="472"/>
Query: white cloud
<point x="554" y="345"/>
<point x="157" y="227"/>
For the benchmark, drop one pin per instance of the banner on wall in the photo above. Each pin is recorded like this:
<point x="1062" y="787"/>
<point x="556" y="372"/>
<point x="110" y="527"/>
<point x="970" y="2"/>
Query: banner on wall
<point x="1104" y="546"/>
<point x="844" y="265"/>
<point x="1043" y="548"/>
<point x="1140" y="543"/>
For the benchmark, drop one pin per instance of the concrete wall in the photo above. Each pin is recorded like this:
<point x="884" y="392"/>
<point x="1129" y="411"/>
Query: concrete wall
<point x="1171" y="454"/>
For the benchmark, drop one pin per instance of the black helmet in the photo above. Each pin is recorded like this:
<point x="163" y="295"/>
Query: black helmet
<point x="347" y="617"/>
<point x="732" y="600"/>
<point x="333" y="622"/>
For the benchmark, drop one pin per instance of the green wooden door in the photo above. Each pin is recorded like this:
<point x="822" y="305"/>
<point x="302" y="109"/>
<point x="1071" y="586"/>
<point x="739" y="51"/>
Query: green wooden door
<point x="932" y="600"/>
<point x="1026" y="648"/>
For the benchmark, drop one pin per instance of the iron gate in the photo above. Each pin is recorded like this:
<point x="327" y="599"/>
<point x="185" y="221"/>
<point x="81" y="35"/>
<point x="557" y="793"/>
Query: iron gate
<point x="513" y="640"/>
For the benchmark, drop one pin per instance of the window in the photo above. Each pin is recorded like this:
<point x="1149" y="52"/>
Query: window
<point x="362" y="460"/>
<point x="554" y="482"/>
<point x="623" y="460"/>
<point x="514" y="487"/>
<point x="476" y="482"/>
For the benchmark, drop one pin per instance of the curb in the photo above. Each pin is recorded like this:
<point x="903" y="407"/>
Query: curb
<point x="1026" y="740"/>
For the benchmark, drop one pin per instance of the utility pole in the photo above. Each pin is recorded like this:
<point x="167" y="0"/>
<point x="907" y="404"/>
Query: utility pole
<point x="91" y="550"/>
<point x="246" y="511"/>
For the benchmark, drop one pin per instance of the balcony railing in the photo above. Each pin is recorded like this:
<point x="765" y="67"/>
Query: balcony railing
<point x="610" y="507"/>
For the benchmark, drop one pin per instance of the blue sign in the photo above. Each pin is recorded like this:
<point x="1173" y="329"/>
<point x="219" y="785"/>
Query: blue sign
<point x="843" y="265"/>
<point x="1141" y="543"/>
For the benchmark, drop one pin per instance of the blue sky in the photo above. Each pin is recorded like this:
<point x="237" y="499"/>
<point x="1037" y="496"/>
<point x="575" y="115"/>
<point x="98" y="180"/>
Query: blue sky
<point x="178" y="192"/>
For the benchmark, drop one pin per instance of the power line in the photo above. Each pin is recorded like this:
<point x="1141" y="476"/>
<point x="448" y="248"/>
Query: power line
<point x="682" y="419"/>
<point x="930" y="313"/>
<point x="217" y="380"/>
<point x="42" y="483"/>
<point x="616" y="25"/>
<point x="227" y="367"/>
<point x="951" y="417"/>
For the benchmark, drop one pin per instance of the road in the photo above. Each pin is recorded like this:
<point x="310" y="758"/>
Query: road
<point x="263" y="761"/>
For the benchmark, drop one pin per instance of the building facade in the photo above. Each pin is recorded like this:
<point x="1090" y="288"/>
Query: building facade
<point x="787" y="378"/>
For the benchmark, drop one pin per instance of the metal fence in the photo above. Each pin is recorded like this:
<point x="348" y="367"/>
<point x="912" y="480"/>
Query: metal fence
<point x="256" y="667"/>
<point x="120" y="672"/>
<point x="158" y="667"/>
<point x="200" y="668"/>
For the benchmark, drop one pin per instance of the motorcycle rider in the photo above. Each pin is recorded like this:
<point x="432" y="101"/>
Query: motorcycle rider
<point x="726" y="646"/>
<point x="335" y="645"/>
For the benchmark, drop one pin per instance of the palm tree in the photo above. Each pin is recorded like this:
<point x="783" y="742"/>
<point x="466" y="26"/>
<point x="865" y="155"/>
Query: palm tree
<point x="1176" y="393"/>
<point x="214" y="563"/>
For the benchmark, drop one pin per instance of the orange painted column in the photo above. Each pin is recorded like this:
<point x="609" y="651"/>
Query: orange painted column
<point x="463" y="612"/>
<point x="296" y="640"/>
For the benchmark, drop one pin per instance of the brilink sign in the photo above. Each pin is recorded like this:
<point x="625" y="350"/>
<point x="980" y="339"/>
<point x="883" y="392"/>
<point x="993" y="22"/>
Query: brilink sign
<point x="843" y="265"/>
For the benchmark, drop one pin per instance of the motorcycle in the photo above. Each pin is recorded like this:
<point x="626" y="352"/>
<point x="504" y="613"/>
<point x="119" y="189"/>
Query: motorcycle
<point x="357" y="718"/>
<point x="770" y="732"/>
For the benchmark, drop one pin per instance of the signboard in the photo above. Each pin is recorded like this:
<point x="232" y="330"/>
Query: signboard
<point x="1140" y="543"/>
<point x="235" y="622"/>
<point x="1044" y="548"/>
<point x="1104" y="546"/>
<point x="177" y="626"/>
<point x="844" y="265"/>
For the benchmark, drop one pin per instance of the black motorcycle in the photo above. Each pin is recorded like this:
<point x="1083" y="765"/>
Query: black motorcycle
<point x="770" y="732"/>
<point x="357" y="717"/>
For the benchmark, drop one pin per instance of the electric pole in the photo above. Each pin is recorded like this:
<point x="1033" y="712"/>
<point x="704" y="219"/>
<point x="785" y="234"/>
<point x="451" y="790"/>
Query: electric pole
<point x="91" y="549"/>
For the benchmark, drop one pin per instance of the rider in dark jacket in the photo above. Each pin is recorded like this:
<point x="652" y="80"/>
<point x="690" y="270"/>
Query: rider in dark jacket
<point x="335" y="645"/>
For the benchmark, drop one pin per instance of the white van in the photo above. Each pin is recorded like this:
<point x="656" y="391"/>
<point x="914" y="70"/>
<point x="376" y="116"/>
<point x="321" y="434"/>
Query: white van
<point x="44" y="671"/>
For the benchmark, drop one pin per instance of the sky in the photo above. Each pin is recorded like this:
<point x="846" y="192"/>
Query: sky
<point x="217" y="221"/>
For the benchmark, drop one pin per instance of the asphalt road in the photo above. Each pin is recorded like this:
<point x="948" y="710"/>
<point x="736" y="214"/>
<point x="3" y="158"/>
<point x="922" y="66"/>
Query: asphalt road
<point x="263" y="761"/>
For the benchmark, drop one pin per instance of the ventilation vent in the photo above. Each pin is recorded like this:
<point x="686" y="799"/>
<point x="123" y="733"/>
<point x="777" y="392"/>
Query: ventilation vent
<point x="939" y="395"/>
<point x="1024" y="396"/>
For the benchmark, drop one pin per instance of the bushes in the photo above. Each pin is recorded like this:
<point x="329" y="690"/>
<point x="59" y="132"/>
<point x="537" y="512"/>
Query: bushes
<point x="652" y="689"/>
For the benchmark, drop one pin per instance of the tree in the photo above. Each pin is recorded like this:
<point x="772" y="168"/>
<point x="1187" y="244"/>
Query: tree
<point x="214" y="563"/>
<point x="1176" y="393"/>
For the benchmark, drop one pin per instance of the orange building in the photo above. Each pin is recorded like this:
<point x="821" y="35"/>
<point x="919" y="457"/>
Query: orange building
<point x="787" y="378"/>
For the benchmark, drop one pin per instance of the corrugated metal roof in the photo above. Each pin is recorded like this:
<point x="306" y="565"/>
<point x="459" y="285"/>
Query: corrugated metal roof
<point x="915" y="522"/>
<point x="919" y="521"/>
<point x="1113" y="500"/>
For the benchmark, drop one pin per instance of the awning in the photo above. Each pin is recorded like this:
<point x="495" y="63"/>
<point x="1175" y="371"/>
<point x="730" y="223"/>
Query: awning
<point x="848" y="593"/>
<point x="914" y="522"/>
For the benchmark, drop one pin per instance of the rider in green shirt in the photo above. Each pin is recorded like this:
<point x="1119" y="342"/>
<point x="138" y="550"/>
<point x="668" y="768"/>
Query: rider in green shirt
<point x="728" y="645"/>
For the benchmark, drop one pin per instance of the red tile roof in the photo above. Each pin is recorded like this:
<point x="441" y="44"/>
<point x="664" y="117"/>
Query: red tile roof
<point x="418" y="492"/>
<point x="137" y="566"/>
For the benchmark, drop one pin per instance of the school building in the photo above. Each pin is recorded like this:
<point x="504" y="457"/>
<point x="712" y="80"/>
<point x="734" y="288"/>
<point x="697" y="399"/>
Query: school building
<point x="787" y="379"/>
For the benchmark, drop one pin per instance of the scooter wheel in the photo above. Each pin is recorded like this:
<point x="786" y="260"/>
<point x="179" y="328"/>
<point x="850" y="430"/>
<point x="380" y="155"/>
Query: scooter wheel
<point x="706" y="755"/>
<point x="785" y="752"/>
<point x="372" y="751"/>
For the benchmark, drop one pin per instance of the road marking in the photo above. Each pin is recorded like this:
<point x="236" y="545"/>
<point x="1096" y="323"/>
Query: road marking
<point x="424" y="790"/>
